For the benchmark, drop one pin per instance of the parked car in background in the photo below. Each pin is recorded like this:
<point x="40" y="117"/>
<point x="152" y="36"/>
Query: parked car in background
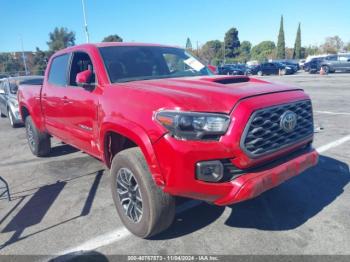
<point x="288" y="62"/>
<point x="294" y="66"/>
<point x="232" y="69"/>
<point x="313" y="65"/>
<point x="273" y="68"/>
<point x="332" y="63"/>
<point x="8" y="96"/>
<point x="301" y="63"/>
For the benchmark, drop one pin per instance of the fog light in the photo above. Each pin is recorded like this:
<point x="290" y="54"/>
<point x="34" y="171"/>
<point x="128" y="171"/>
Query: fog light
<point x="210" y="171"/>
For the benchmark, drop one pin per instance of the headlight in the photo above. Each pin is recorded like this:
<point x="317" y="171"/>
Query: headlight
<point x="194" y="126"/>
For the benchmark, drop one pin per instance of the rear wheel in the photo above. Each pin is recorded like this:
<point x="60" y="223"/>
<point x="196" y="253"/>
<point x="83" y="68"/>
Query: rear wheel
<point x="11" y="119"/>
<point x="143" y="207"/>
<point x="39" y="142"/>
<point x="326" y="69"/>
<point x="1" y="114"/>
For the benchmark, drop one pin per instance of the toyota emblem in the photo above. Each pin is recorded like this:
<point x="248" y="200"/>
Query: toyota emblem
<point x="288" y="121"/>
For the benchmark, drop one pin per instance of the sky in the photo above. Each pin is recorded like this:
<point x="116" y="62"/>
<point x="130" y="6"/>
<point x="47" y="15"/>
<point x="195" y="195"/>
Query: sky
<point x="171" y="21"/>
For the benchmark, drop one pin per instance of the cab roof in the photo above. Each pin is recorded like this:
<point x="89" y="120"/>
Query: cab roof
<point x="107" y="44"/>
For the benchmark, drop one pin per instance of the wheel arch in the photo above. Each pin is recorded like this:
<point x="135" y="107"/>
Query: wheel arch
<point x="24" y="112"/>
<point x="117" y="137"/>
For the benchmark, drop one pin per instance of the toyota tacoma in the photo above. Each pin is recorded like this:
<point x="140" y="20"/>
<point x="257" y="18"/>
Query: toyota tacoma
<point x="165" y="126"/>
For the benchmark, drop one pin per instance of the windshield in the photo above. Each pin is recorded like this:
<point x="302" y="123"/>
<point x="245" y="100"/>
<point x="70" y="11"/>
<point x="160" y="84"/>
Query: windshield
<point x="130" y="63"/>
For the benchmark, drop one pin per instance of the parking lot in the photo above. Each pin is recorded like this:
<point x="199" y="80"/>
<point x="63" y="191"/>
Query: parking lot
<point x="63" y="204"/>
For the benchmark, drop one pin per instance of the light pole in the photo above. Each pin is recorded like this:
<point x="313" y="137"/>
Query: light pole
<point x="85" y="23"/>
<point x="224" y="52"/>
<point x="24" y="58"/>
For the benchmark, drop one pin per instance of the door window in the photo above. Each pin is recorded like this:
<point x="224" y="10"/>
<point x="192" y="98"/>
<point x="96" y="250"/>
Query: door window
<point x="58" y="70"/>
<point x="81" y="62"/>
<point x="343" y="58"/>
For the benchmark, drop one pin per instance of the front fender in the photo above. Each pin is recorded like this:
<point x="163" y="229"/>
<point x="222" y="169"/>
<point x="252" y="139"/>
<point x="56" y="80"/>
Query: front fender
<point x="136" y="134"/>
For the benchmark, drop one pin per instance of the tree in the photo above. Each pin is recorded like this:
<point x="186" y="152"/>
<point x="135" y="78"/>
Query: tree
<point x="281" y="44"/>
<point x="332" y="45"/>
<point x="40" y="61"/>
<point x="10" y="65"/>
<point x="112" y="38"/>
<point x="188" y="44"/>
<point x="263" y="51"/>
<point x="232" y="43"/>
<point x="244" y="51"/>
<point x="297" y="45"/>
<point x="347" y="47"/>
<point x="311" y="50"/>
<point x="60" y="38"/>
<point x="211" y="50"/>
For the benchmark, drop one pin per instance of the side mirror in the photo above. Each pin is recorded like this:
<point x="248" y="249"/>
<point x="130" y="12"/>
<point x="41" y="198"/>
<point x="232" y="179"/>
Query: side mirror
<point x="83" y="78"/>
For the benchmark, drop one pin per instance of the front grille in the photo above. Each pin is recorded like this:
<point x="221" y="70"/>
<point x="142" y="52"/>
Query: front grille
<point x="264" y="134"/>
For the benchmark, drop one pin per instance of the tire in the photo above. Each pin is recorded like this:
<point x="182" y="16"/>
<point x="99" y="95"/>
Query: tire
<point x="326" y="69"/>
<point x="39" y="142"/>
<point x="1" y="114"/>
<point x="130" y="170"/>
<point x="10" y="116"/>
<point x="260" y="73"/>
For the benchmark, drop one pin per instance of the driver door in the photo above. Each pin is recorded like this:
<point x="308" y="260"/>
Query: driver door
<point x="80" y="108"/>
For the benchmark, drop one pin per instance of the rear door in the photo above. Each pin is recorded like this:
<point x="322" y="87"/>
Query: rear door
<point x="344" y="62"/>
<point x="274" y="68"/>
<point x="265" y="68"/>
<point x="54" y="96"/>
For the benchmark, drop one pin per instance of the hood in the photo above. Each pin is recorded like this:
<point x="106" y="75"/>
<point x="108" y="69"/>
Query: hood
<point x="204" y="94"/>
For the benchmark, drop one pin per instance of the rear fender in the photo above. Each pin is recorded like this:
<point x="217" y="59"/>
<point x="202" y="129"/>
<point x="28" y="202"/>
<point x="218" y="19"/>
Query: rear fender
<point x="35" y="113"/>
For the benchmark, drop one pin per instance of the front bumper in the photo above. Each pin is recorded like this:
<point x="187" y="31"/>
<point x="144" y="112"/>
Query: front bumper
<point x="177" y="159"/>
<point x="253" y="184"/>
<point x="179" y="168"/>
<point x="17" y="118"/>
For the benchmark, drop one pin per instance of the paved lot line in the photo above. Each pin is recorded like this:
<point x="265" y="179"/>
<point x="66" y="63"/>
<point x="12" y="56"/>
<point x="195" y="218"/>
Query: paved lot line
<point x="335" y="143"/>
<point x="120" y="233"/>
<point x="333" y="113"/>
<point x="100" y="241"/>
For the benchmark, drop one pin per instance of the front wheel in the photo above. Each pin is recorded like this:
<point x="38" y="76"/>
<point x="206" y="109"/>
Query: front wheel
<point x="39" y="142"/>
<point x="143" y="207"/>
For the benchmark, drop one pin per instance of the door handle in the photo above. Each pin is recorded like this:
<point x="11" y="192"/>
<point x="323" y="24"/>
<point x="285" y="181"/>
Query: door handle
<point x="66" y="100"/>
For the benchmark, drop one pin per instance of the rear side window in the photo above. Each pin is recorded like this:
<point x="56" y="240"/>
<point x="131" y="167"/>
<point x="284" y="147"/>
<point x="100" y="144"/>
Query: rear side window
<point x="58" y="70"/>
<point x="332" y="58"/>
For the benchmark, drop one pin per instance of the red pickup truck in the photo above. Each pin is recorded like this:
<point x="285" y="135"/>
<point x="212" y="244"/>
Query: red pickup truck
<point x="166" y="127"/>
